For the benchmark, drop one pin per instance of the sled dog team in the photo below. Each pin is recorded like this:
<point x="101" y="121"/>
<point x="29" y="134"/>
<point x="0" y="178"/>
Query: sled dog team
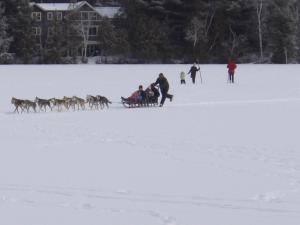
<point x="97" y="102"/>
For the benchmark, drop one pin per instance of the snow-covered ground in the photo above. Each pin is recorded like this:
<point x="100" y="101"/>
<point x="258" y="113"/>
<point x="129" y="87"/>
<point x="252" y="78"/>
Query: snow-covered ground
<point x="219" y="154"/>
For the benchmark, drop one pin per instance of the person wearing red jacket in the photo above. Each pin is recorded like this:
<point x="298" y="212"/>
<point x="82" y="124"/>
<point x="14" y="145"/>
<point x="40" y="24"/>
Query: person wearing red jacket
<point x="231" y="69"/>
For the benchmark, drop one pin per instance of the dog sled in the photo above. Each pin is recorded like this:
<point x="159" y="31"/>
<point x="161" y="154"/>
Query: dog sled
<point x="131" y="103"/>
<point x="142" y="98"/>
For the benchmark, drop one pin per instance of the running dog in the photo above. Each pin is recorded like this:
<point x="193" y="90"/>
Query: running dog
<point x="103" y="101"/>
<point x="18" y="103"/>
<point x="59" y="103"/>
<point x="92" y="101"/>
<point x="29" y="104"/>
<point x="79" y="101"/>
<point x="43" y="103"/>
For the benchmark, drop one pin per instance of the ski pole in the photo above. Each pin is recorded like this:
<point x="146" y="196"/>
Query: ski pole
<point x="200" y="73"/>
<point x="200" y="76"/>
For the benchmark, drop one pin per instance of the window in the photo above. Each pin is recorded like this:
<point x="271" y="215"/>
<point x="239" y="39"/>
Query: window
<point x="50" y="31"/>
<point x="93" y="31"/>
<point x="84" y="15"/>
<point x="86" y="30"/>
<point x="39" y="47"/>
<point x="93" y="16"/>
<point x="36" y="16"/>
<point x="36" y="31"/>
<point x="59" y="15"/>
<point x="49" y="16"/>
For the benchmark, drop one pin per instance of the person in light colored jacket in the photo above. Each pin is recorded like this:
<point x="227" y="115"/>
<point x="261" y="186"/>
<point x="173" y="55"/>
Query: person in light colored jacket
<point x="182" y="77"/>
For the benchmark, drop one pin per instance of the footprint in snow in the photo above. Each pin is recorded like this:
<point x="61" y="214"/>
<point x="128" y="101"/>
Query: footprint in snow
<point x="87" y="206"/>
<point x="169" y="221"/>
<point x="269" y="197"/>
<point x="123" y="192"/>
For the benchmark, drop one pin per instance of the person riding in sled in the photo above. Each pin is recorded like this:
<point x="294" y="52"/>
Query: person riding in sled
<point x="152" y="93"/>
<point x="137" y="96"/>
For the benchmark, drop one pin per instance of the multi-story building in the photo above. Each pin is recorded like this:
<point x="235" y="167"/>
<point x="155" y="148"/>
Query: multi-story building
<point x="87" y="16"/>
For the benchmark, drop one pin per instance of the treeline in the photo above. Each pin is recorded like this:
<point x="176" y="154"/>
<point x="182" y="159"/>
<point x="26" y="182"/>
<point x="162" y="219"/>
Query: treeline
<point x="212" y="31"/>
<point x="169" y="31"/>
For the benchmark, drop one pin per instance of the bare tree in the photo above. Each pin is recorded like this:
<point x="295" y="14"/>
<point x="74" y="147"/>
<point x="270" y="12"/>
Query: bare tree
<point x="200" y="27"/>
<point x="83" y="29"/>
<point x="80" y="27"/>
<point x="259" y="7"/>
<point x="234" y="41"/>
<point x="193" y="33"/>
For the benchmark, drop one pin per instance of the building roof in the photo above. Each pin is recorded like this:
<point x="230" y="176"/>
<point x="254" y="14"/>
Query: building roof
<point x="108" y="11"/>
<point x="104" y="11"/>
<point x="60" y="6"/>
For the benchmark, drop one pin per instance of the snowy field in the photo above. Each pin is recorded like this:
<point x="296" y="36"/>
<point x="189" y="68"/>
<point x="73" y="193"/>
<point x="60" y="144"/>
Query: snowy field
<point x="219" y="154"/>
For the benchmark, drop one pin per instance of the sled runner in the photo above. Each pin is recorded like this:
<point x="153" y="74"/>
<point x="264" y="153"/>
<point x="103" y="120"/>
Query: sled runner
<point x="130" y="103"/>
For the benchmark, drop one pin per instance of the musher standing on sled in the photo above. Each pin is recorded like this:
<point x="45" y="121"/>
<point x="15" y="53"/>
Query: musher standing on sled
<point x="164" y="88"/>
<point x="193" y="72"/>
<point x="231" y="67"/>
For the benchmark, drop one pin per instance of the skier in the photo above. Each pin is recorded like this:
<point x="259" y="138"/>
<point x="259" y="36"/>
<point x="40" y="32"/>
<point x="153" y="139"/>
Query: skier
<point x="193" y="72"/>
<point x="164" y="88"/>
<point x="182" y="77"/>
<point x="231" y="69"/>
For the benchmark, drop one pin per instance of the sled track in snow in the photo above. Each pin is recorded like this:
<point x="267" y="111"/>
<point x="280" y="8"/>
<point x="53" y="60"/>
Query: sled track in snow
<point x="238" y="102"/>
<point x="92" y="199"/>
<point x="118" y="105"/>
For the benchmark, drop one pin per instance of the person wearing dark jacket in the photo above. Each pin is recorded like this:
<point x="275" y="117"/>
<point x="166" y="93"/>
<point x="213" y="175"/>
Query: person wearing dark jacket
<point x="193" y="72"/>
<point x="155" y="91"/>
<point x="152" y="93"/>
<point x="164" y="88"/>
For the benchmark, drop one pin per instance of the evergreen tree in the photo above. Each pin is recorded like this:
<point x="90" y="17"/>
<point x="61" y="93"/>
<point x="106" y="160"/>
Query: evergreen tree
<point x="112" y="40"/>
<point x="107" y="37"/>
<point x="297" y="20"/>
<point x="148" y="34"/>
<point x="18" y="13"/>
<point x="5" y="41"/>
<point x="234" y="29"/>
<point x="56" y="46"/>
<point x="281" y="30"/>
<point x="73" y="35"/>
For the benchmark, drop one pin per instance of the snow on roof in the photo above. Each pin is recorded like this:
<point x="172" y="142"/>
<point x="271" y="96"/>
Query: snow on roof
<point x="59" y="6"/>
<point x="109" y="12"/>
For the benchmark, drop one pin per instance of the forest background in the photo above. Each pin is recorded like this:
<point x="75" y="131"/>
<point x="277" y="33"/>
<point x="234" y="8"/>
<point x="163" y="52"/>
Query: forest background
<point x="168" y="31"/>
